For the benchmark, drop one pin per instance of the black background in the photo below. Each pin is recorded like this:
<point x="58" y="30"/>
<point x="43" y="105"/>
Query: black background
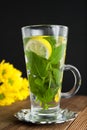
<point x="15" y="15"/>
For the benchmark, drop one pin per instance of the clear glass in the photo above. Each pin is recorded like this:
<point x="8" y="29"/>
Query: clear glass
<point x="45" y="52"/>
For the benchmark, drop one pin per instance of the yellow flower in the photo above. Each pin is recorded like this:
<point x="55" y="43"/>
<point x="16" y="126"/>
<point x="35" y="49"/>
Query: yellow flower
<point x="13" y="86"/>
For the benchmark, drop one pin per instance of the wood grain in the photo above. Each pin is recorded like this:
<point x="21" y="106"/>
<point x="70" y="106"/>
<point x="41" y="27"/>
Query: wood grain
<point x="76" y="103"/>
<point x="80" y="123"/>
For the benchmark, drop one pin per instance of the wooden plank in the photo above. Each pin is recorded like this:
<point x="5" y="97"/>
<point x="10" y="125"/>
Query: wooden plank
<point x="80" y="123"/>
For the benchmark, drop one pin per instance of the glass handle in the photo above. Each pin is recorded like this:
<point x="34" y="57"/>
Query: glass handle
<point x="77" y="82"/>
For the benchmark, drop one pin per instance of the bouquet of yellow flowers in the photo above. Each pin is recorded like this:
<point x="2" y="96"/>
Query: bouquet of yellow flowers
<point x="13" y="86"/>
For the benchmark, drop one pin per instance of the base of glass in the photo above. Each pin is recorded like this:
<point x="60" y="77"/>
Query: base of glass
<point x="63" y="115"/>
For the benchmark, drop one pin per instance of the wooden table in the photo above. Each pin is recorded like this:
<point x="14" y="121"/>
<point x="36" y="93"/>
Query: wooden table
<point x="76" y="103"/>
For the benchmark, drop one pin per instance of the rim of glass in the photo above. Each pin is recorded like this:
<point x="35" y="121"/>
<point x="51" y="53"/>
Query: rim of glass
<point x="45" y="25"/>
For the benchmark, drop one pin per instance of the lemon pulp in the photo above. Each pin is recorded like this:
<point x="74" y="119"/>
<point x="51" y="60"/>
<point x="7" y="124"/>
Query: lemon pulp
<point x="40" y="46"/>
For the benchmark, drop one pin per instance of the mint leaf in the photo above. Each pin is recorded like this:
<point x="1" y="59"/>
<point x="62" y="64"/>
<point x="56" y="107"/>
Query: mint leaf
<point x="58" y="53"/>
<point x="36" y="64"/>
<point x="38" y="81"/>
<point x="57" y="74"/>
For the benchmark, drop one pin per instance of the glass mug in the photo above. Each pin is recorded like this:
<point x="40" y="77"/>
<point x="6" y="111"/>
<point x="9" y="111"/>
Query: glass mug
<point x="45" y="51"/>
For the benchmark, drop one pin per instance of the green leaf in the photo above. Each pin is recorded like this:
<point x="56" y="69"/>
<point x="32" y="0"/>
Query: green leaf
<point x="46" y="96"/>
<point x="38" y="81"/>
<point x="58" y="54"/>
<point x="33" y="87"/>
<point x="58" y="74"/>
<point x="36" y="64"/>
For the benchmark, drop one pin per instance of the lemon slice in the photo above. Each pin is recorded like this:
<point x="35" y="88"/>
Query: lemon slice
<point x="58" y="95"/>
<point x="39" y="46"/>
